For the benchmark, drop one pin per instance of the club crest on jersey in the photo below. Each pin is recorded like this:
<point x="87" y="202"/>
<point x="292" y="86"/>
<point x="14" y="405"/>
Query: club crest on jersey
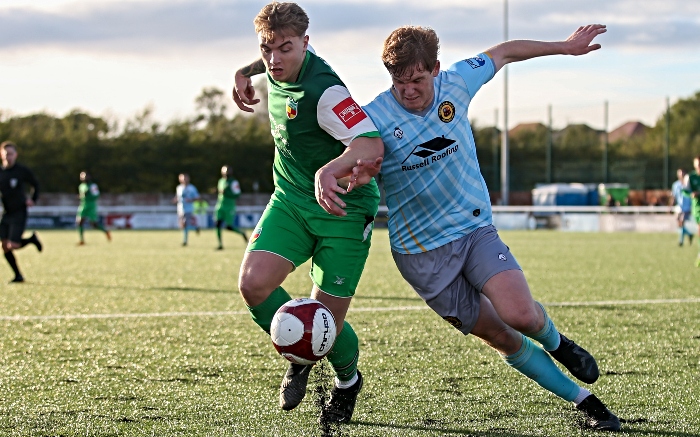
<point x="398" y="133"/>
<point x="13" y="183"/>
<point x="349" y="112"/>
<point x="256" y="234"/>
<point x="292" y="108"/>
<point x="446" y="111"/>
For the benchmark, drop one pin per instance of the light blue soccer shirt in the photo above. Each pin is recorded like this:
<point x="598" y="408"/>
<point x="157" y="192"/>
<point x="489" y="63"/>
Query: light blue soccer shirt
<point x="434" y="189"/>
<point x="682" y="200"/>
<point x="185" y="196"/>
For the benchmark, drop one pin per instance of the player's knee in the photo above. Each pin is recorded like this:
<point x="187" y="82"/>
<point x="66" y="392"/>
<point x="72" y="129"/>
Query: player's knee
<point x="254" y="288"/>
<point x="525" y="320"/>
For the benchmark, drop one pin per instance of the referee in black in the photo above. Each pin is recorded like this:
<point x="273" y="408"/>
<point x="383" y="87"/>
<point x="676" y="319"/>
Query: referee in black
<point x="13" y="180"/>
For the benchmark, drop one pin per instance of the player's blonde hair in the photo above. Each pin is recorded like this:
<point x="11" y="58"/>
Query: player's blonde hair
<point x="282" y="18"/>
<point x="408" y="47"/>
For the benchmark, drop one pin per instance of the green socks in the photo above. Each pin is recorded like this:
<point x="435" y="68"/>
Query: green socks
<point x="345" y="353"/>
<point x="263" y="313"/>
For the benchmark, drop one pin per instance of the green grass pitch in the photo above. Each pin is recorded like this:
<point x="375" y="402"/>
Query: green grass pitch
<point x="142" y="337"/>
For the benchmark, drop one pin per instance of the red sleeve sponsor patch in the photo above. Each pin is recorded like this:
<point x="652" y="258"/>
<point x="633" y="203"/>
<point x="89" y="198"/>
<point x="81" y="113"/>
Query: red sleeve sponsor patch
<point x="349" y="112"/>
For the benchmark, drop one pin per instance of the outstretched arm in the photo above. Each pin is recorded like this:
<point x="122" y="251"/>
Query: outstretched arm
<point x="243" y="91"/>
<point x="578" y="43"/>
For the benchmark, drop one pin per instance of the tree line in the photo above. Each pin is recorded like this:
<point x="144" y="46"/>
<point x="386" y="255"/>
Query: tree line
<point x="144" y="156"/>
<point x="646" y="160"/>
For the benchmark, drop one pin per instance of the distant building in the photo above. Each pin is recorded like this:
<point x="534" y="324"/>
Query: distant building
<point x="628" y="130"/>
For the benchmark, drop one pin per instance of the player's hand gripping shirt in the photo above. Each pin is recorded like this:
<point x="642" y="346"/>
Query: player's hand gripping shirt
<point x="312" y="121"/>
<point x="434" y="189"/>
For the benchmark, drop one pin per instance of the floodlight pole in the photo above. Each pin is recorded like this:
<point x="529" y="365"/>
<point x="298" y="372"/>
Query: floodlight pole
<point x="605" y="144"/>
<point x="504" y="144"/>
<point x="667" y="143"/>
<point x="548" y="152"/>
<point x="494" y="149"/>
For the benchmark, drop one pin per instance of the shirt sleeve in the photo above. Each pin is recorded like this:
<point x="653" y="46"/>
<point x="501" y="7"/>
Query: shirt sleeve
<point x="342" y="117"/>
<point x="475" y="71"/>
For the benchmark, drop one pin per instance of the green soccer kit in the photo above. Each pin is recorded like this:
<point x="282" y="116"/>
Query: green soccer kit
<point x="694" y="186"/>
<point x="312" y="121"/>
<point x="89" y="193"/>
<point x="229" y="190"/>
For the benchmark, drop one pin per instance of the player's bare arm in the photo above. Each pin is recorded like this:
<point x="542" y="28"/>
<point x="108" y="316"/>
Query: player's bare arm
<point x="578" y="43"/>
<point x="326" y="178"/>
<point x="243" y="91"/>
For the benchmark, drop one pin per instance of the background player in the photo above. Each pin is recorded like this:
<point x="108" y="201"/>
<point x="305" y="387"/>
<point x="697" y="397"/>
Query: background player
<point x="313" y="120"/>
<point x="692" y="184"/>
<point x="14" y="178"/>
<point x="200" y="211"/>
<point x="88" y="192"/>
<point x="225" y="212"/>
<point x="185" y="195"/>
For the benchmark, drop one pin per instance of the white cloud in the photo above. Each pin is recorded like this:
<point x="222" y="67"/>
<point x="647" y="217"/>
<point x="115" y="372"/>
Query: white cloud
<point x="104" y="55"/>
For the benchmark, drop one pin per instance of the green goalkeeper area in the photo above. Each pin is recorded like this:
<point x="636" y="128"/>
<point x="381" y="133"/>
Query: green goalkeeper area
<point x="143" y="337"/>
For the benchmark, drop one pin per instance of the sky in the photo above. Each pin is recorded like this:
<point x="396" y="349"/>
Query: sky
<point x="116" y="58"/>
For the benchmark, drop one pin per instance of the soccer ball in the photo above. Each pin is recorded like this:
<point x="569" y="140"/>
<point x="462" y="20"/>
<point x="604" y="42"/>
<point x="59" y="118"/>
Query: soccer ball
<point x="303" y="331"/>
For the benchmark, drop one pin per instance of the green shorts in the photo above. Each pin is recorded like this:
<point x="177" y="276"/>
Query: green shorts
<point x="338" y="246"/>
<point x="87" y="213"/>
<point x="226" y="215"/>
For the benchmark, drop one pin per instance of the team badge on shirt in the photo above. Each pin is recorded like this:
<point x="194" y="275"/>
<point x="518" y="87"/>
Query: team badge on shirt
<point x="446" y="111"/>
<point x="398" y="133"/>
<point x="349" y="112"/>
<point x="292" y="107"/>
<point x="256" y="234"/>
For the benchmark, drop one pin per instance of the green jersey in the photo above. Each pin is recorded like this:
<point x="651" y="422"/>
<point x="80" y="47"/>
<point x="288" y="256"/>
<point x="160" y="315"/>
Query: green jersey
<point x="89" y="193"/>
<point x="229" y="190"/>
<point x="312" y="121"/>
<point x="694" y="186"/>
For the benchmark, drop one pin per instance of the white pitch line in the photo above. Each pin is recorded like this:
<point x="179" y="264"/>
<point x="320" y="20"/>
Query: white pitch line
<point x="359" y="310"/>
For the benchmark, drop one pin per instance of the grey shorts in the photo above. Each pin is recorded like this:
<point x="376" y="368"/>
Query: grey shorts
<point x="450" y="278"/>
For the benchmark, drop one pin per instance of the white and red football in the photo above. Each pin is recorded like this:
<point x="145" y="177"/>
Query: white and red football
<point x="303" y="331"/>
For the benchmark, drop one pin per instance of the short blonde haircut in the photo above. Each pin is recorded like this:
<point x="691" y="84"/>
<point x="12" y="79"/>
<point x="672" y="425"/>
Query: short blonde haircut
<point x="281" y="18"/>
<point x="408" y="47"/>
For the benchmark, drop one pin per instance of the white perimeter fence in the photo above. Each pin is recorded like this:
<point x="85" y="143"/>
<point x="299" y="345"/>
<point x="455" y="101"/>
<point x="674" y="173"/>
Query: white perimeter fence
<point x="563" y="218"/>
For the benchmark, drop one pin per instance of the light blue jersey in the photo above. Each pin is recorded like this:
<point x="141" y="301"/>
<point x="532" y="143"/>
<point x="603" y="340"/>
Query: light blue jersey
<point x="682" y="200"/>
<point x="186" y="194"/>
<point x="434" y="189"/>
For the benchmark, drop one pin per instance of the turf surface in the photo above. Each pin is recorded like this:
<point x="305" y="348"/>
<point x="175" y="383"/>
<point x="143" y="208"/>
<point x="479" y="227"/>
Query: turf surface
<point x="142" y="337"/>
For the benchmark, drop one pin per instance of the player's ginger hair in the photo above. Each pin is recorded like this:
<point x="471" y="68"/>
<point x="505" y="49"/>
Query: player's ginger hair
<point x="285" y="18"/>
<point x="408" y="47"/>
